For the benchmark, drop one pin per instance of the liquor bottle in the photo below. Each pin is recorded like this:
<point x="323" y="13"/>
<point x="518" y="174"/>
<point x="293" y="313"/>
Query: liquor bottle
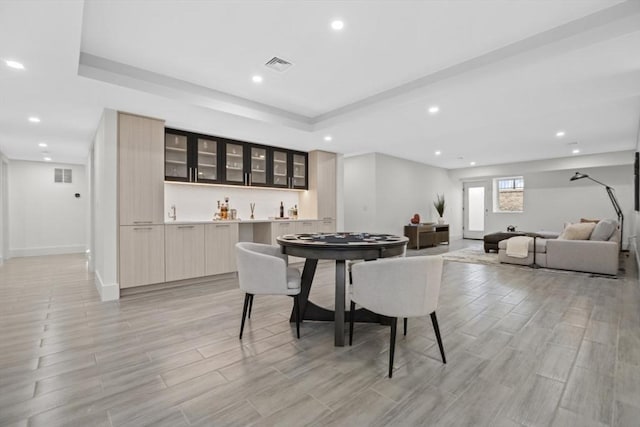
<point x="281" y="210"/>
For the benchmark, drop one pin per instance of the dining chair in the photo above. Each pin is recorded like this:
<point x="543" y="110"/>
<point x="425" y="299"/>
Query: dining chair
<point x="398" y="287"/>
<point x="263" y="270"/>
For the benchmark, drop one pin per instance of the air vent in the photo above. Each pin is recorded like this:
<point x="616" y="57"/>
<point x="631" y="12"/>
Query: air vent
<point x="278" y="64"/>
<point x="62" y="175"/>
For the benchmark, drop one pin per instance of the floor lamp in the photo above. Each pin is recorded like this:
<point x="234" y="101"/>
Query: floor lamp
<point x="612" y="196"/>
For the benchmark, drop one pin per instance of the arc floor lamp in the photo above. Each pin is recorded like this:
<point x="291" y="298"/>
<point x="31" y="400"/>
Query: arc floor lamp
<point x="612" y="196"/>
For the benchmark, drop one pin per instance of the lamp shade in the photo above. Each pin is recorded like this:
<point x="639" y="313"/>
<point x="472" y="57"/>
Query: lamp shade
<point x="578" y="175"/>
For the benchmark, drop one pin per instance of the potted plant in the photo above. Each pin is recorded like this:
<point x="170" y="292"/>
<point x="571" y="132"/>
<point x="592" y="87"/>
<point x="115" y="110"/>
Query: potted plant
<point x="439" y="205"/>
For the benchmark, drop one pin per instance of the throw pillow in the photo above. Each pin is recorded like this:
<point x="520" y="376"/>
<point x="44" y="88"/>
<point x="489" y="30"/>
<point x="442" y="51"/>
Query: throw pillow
<point x="604" y="229"/>
<point x="595" y="221"/>
<point x="580" y="231"/>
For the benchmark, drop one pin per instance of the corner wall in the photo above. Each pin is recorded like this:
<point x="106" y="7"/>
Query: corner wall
<point x="381" y="194"/>
<point x="104" y="207"/>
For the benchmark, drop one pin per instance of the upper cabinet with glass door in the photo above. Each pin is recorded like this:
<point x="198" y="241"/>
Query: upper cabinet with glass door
<point x="299" y="176"/>
<point x="280" y="168"/>
<point x="258" y="172"/>
<point x="176" y="157"/>
<point x="234" y="164"/>
<point x="207" y="160"/>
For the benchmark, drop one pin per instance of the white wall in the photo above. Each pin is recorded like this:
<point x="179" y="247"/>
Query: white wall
<point x="199" y="202"/>
<point x="4" y="209"/>
<point x="46" y="218"/>
<point x="550" y="199"/>
<point x="381" y="194"/>
<point x="104" y="250"/>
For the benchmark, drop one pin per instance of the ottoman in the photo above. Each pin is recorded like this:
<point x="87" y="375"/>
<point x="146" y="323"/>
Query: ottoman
<point x="491" y="240"/>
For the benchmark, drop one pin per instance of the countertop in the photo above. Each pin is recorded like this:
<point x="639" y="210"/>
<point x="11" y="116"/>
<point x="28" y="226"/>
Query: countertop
<point x="238" y="221"/>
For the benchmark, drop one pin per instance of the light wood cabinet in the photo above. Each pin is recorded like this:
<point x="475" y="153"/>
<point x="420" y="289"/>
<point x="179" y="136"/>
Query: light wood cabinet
<point x="184" y="251"/>
<point x="306" y="227"/>
<point x="141" y="255"/>
<point x="327" y="225"/>
<point x="320" y="200"/>
<point x="141" y="170"/>
<point x="219" y="248"/>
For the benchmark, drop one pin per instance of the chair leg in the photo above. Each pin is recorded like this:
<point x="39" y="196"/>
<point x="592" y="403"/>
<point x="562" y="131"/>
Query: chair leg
<point x="250" y="305"/>
<point x="392" y="346"/>
<point x="405" y="326"/>
<point x="436" y="329"/>
<point x="352" y="309"/>
<point x="296" y="306"/>
<point x="247" y="298"/>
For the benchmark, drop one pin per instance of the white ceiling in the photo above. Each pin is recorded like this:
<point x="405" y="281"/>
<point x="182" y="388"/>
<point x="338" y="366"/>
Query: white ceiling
<point x="506" y="74"/>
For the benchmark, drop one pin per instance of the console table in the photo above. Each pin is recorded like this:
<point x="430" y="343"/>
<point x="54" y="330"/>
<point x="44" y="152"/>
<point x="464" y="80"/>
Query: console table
<point x="425" y="235"/>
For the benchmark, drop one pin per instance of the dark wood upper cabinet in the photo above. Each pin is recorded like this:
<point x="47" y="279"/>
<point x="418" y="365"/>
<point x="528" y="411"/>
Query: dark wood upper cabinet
<point x="191" y="157"/>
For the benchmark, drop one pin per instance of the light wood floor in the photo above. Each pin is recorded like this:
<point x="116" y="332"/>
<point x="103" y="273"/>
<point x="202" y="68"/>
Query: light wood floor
<point x="525" y="347"/>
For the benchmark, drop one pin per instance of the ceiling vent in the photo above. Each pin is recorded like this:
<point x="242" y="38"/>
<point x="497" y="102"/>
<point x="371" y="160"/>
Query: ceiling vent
<point x="278" y="64"/>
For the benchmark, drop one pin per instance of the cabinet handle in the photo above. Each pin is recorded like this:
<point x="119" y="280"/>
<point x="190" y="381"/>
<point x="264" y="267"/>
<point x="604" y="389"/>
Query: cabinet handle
<point x="222" y="225"/>
<point x="195" y="174"/>
<point x="142" y="222"/>
<point x="143" y="228"/>
<point x="249" y="178"/>
<point x="186" y="226"/>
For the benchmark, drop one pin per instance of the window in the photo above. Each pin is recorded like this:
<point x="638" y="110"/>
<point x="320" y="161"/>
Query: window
<point x="508" y="194"/>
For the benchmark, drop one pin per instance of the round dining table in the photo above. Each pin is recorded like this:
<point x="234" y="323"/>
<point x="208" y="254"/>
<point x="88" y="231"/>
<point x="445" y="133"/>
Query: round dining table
<point x="340" y="247"/>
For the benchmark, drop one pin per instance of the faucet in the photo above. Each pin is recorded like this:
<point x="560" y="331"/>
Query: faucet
<point x="172" y="212"/>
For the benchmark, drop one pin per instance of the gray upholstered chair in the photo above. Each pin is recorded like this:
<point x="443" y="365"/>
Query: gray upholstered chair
<point x="263" y="270"/>
<point x="398" y="287"/>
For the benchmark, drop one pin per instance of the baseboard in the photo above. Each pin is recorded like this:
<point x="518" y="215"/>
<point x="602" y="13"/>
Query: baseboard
<point x="109" y="291"/>
<point x="51" y="250"/>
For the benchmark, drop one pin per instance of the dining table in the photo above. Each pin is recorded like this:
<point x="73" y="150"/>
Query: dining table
<point x="341" y="247"/>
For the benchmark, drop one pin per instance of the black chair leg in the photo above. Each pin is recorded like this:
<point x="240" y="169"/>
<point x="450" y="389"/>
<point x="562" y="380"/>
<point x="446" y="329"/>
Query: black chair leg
<point x="405" y="326"/>
<point x="296" y="306"/>
<point x="436" y="329"/>
<point x="250" y="305"/>
<point x="392" y="345"/>
<point x="351" y="316"/>
<point x="247" y="298"/>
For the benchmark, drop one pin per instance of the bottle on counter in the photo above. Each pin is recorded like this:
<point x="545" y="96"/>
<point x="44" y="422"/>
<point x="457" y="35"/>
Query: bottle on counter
<point x="295" y="212"/>
<point x="281" y="210"/>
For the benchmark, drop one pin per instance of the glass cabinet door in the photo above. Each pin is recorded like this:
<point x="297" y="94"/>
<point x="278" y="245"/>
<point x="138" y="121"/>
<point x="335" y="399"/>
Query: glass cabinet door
<point x="234" y="166"/>
<point x="280" y="169"/>
<point x="175" y="157"/>
<point x="207" y="160"/>
<point x="299" y="171"/>
<point x="258" y="166"/>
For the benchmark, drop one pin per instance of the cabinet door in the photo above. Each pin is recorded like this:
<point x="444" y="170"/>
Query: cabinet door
<point x="325" y="169"/>
<point x="307" y="227"/>
<point x="184" y="251"/>
<point x="327" y="225"/>
<point x="141" y="170"/>
<point x="299" y="171"/>
<point x="280" y="228"/>
<point x="206" y="160"/>
<point x="141" y="255"/>
<point x="258" y="172"/>
<point x="234" y="163"/>
<point x="219" y="248"/>
<point x="176" y="158"/>
<point x="280" y="168"/>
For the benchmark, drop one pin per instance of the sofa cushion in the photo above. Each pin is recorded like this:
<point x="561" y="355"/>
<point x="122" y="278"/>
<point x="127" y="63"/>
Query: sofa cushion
<point x="541" y="245"/>
<point x="595" y="221"/>
<point x="580" y="231"/>
<point x="604" y="229"/>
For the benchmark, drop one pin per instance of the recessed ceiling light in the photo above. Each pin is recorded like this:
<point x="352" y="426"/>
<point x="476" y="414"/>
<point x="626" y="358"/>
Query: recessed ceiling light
<point x="257" y="79"/>
<point x="337" y="25"/>
<point x="560" y="133"/>
<point x="472" y="163"/>
<point x="14" y="64"/>
<point x="47" y="159"/>
<point x="42" y="144"/>
<point x="576" y="151"/>
<point x="34" y="119"/>
<point x="438" y="152"/>
<point x="434" y="109"/>
<point x="328" y="138"/>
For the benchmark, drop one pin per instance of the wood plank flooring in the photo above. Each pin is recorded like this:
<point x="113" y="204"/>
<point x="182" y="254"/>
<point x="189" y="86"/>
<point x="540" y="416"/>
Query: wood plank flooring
<point x="524" y="347"/>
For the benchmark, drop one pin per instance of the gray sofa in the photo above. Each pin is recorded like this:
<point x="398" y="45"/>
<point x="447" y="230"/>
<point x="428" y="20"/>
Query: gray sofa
<point x="592" y="256"/>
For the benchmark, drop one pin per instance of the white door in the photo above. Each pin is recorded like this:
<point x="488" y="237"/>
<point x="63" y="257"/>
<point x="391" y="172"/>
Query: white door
<point x="475" y="209"/>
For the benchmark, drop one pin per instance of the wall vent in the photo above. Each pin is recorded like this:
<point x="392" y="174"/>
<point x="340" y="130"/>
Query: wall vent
<point x="62" y="175"/>
<point x="278" y="64"/>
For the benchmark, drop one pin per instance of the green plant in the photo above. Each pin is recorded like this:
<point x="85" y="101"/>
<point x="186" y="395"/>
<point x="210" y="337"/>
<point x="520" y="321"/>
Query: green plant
<point x="439" y="204"/>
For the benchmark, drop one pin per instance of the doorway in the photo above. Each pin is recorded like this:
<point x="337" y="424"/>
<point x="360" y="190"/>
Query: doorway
<point x="475" y="209"/>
